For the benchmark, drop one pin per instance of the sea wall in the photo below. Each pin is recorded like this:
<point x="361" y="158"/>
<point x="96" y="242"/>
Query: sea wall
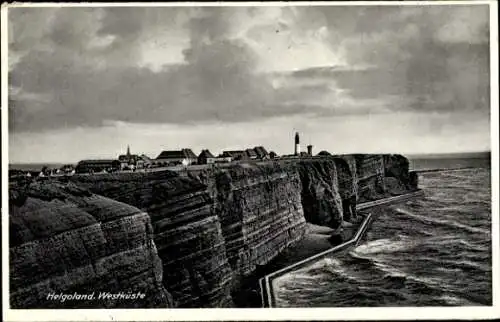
<point x="64" y="239"/>
<point x="215" y="226"/>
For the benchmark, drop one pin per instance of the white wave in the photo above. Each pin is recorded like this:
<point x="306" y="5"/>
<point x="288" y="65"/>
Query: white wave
<point x="390" y="270"/>
<point x="472" y="264"/>
<point x="342" y="271"/>
<point x="432" y="281"/>
<point x="455" y="300"/>
<point x="384" y="245"/>
<point x="328" y="261"/>
<point x="395" y="272"/>
<point x="431" y="220"/>
<point x="306" y="274"/>
<point x="447" y="270"/>
<point x="450" y="240"/>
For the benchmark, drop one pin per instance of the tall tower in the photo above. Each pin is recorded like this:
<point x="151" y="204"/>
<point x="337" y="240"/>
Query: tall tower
<point x="297" y="143"/>
<point x="128" y="150"/>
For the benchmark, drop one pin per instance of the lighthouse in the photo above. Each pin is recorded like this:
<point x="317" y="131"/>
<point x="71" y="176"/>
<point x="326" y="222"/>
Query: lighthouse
<point x="297" y="143"/>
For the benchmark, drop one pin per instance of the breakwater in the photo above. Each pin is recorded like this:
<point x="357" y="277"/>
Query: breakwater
<point x="267" y="288"/>
<point x="266" y="283"/>
<point x="210" y="229"/>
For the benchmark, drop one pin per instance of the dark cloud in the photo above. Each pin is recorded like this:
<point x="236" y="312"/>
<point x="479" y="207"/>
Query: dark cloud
<point x="216" y="83"/>
<point x="434" y="58"/>
<point x="79" y="66"/>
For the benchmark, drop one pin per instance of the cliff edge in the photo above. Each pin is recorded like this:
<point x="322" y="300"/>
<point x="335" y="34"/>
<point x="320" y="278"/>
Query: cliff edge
<point x="187" y="232"/>
<point x="64" y="239"/>
<point x="208" y="230"/>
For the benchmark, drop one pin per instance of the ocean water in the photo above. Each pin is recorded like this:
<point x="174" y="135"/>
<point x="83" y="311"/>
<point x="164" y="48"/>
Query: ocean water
<point x="450" y="163"/>
<point x="431" y="251"/>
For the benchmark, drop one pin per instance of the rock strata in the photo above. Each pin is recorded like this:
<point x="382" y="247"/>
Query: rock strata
<point x="187" y="232"/>
<point x="213" y="228"/>
<point x="371" y="172"/>
<point x="66" y="240"/>
<point x="321" y="197"/>
<point x="260" y="211"/>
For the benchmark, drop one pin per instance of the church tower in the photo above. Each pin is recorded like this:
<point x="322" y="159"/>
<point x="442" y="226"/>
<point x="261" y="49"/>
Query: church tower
<point x="128" y="151"/>
<point x="297" y="143"/>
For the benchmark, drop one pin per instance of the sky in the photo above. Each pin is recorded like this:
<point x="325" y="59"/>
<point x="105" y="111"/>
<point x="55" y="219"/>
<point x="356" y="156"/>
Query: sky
<point x="87" y="82"/>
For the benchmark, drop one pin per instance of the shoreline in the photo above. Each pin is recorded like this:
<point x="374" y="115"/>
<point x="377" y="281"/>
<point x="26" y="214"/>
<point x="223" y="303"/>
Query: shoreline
<point x="366" y="209"/>
<point x="316" y="241"/>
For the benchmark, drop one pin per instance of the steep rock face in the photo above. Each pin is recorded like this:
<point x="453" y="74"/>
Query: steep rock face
<point x="371" y="173"/>
<point x="186" y="231"/>
<point x="320" y="192"/>
<point x="216" y="225"/>
<point x="260" y="211"/>
<point x="397" y="167"/>
<point x="353" y="180"/>
<point x="64" y="239"/>
<point x="413" y="181"/>
<point x="348" y="185"/>
<point x="394" y="187"/>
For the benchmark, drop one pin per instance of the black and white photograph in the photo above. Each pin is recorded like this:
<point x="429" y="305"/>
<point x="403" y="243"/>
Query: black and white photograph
<point x="249" y="155"/>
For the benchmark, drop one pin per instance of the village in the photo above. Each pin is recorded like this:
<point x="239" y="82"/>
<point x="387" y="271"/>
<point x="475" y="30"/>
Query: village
<point x="166" y="160"/>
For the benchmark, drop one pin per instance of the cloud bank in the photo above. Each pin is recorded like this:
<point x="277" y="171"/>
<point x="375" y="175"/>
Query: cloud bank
<point x="74" y="69"/>
<point x="84" y="66"/>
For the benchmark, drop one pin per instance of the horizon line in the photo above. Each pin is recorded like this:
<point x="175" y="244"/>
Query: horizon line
<point x="403" y="154"/>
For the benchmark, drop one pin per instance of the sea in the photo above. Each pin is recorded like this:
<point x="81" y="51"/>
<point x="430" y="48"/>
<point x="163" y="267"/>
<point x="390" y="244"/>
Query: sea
<point x="433" y="250"/>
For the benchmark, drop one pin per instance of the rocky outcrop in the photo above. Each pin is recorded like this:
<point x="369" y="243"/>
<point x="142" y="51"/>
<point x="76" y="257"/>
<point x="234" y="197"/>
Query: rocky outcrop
<point x="321" y="197"/>
<point x="348" y="185"/>
<point x="398" y="178"/>
<point x="397" y="166"/>
<point x="371" y="172"/>
<point x="64" y="239"/>
<point x="187" y="232"/>
<point x="413" y="182"/>
<point x="333" y="185"/>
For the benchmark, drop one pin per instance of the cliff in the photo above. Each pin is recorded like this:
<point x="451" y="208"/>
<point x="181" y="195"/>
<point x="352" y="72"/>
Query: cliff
<point x="398" y="178"/>
<point x="260" y="211"/>
<point x="383" y="175"/>
<point x="64" y="239"/>
<point x="187" y="232"/>
<point x="332" y="186"/>
<point x="320" y="193"/>
<point x="216" y="226"/>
